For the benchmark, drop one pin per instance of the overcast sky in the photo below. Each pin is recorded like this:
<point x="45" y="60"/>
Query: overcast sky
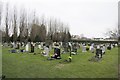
<point x="89" y="17"/>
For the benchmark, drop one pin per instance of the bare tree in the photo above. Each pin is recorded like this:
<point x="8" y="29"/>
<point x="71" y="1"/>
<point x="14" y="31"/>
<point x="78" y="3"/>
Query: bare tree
<point x="113" y="33"/>
<point x="33" y="32"/>
<point x="50" y="30"/>
<point x="57" y="30"/>
<point x="23" y="26"/>
<point x="118" y="33"/>
<point x="6" y="24"/>
<point x="33" y="28"/>
<point x="43" y="32"/>
<point x="15" y="25"/>
<point x="0" y="12"/>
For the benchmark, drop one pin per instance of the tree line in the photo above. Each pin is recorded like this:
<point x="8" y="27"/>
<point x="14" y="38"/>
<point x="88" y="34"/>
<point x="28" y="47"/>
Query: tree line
<point x="23" y="27"/>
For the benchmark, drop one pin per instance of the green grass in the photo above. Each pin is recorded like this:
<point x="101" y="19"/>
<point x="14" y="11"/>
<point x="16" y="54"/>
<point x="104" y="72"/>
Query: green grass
<point x="36" y="66"/>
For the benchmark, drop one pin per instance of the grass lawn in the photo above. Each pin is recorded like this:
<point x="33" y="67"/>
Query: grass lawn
<point x="36" y="66"/>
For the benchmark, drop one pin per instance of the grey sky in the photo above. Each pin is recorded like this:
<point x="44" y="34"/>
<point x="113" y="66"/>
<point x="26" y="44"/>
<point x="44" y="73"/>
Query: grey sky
<point x="89" y="17"/>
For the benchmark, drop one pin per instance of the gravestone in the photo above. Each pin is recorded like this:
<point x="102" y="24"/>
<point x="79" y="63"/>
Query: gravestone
<point x="109" y="47"/>
<point x="17" y="45"/>
<point x="56" y="52"/>
<point x="32" y="47"/>
<point x="14" y="45"/>
<point x="27" y="47"/>
<point x="65" y="46"/>
<point x="113" y="45"/>
<point x="98" y="52"/>
<point x="83" y="48"/>
<point x="11" y="45"/>
<point x="116" y="45"/>
<point x="74" y="48"/>
<point x="92" y="48"/>
<point x="50" y="47"/>
<point x="46" y="51"/>
<point x="87" y="48"/>
<point x="103" y="49"/>
<point x="39" y="46"/>
<point x="5" y="44"/>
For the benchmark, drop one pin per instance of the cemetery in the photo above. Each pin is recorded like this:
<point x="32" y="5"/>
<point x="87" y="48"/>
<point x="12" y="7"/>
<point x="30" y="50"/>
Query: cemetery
<point x="53" y="45"/>
<point x="35" y="60"/>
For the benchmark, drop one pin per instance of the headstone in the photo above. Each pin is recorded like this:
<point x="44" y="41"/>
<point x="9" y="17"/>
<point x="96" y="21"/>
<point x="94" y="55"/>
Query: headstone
<point x="14" y="46"/>
<point x="103" y="49"/>
<point x="109" y="47"/>
<point x="113" y="45"/>
<point x="56" y="52"/>
<point x="11" y="45"/>
<point x="87" y="48"/>
<point x="32" y="47"/>
<point x="98" y="52"/>
<point x="65" y="46"/>
<point x="50" y="47"/>
<point x="5" y="44"/>
<point x="70" y="44"/>
<point x="79" y="45"/>
<point x="17" y="45"/>
<point x="92" y="48"/>
<point x="23" y="44"/>
<point x="44" y="46"/>
<point x="83" y="48"/>
<point x="98" y="46"/>
<point x="61" y="44"/>
<point x="116" y="45"/>
<point x="46" y="51"/>
<point x="39" y="46"/>
<point x="74" y="48"/>
<point x="27" y="47"/>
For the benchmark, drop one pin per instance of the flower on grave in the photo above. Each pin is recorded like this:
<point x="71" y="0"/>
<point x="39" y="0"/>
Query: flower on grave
<point x="70" y="57"/>
<point x="51" y="55"/>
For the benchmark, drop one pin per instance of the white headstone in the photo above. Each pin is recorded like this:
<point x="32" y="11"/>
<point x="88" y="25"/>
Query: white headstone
<point x="83" y="48"/>
<point x="39" y="46"/>
<point x="46" y="50"/>
<point x="116" y="45"/>
<point x="27" y="47"/>
<point x="103" y="49"/>
<point x="98" y="46"/>
<point x="50" y="48"/>
<point x="111" y="45"/>
<point x="70" y="45"/>
<point x="92" y="48"/>
<point x="14" y="46"/>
